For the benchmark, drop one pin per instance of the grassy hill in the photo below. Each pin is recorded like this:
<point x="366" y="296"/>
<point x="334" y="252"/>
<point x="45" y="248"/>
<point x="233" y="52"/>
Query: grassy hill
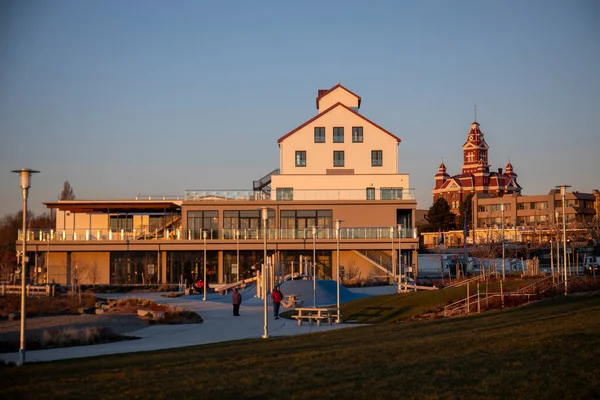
<point x="545" y="350"/>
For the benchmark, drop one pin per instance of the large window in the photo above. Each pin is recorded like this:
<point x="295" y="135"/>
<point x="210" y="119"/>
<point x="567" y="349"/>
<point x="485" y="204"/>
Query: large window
<point x="357" y="134"/>
<point x="248" y="222"/>
<point x="319" y="134"/>
<point x="338" y="135"/>
<point x="197" y="221"/>
<point x="338" y="158"/>
<point x="298" y="223"/>
<point x="376" y="158"/>
<point x="301" y="158"/>
<point x="118" y="222"/>
<point x="285" y="194"/>
<point x="391" y="193"/>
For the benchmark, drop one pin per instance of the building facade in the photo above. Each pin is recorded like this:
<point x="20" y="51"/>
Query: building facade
<point x="337" y="166"/>
<point x="523" y="218"/>
<point x="476" y="176"/>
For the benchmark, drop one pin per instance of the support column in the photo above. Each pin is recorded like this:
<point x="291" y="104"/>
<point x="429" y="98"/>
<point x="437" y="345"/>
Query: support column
<point x="163" y="266"/>
<point x="220" y="269"/>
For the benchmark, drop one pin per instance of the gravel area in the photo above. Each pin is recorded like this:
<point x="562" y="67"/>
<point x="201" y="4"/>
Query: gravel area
<point x="119" y="323"/>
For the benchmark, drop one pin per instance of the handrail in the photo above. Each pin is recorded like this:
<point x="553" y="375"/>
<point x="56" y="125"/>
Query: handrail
<point x="103" y="234"/>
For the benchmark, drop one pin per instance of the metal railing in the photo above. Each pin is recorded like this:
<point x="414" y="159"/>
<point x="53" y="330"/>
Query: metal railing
<point x="374" y="233"/>
<point x="295" y="194"/>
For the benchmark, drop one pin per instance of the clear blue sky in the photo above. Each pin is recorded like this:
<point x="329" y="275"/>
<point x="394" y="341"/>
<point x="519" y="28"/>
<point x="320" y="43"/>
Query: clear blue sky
<point x="149" y="97"/>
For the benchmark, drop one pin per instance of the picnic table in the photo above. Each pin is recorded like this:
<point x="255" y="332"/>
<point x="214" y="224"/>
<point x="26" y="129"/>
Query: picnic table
<point x="314" y="314"/>
<point x="292" y="301"/>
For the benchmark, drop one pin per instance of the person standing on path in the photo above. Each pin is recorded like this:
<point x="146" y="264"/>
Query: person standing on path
<point x="236" y="300"/>
<point x="277" y="296"/>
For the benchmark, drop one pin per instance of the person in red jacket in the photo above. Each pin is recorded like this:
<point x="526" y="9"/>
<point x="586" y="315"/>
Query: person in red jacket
<point x="236" y="300"/>
<point x="277" y="296"/>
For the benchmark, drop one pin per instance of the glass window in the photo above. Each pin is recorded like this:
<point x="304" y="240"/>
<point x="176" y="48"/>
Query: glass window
<point x="118" y="222"/>
<point x="370" y="193"/>
<point x="391" y="193"/>
<point x="357" y="134"/>
<point x="198" y="221"/>
<point x="376" y="158"/>
<point x="285" y="194"/>
<point x="338" y="135"/>
<point x="319" y="134"/>
<point x="338" y="158"/>
<point x="301" y="158"/>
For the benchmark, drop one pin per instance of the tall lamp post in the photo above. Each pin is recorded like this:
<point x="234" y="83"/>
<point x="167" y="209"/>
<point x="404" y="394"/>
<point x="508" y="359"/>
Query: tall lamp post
<point x="314" y="232"/>
<point x="563" y="193"/>
<point x="502" y="213"/>
<point x="237" y="255"/>
<point x="265" y="274"/>
<point x="204" y="234"/>
<point x="399" y="259"/>
<point x="393" y="254"/>
<point x="338" y="222"/>
<point x="25" y="176"/>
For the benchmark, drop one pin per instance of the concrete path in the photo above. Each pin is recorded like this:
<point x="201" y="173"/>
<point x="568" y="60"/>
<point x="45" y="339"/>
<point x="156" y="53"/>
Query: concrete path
<point x="219" y="326"/>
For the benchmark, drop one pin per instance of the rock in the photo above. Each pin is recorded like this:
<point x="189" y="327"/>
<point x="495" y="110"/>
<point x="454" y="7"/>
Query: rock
<point x="86" y="310"/>
<point x="100" y="311"/>
<point x="144" y="313"/>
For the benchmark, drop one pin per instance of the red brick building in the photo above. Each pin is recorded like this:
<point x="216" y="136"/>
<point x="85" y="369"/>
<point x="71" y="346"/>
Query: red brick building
<point x="476" y="174"/>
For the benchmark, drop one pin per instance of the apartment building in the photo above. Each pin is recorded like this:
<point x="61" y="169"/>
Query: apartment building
<point x="337" y="170"/>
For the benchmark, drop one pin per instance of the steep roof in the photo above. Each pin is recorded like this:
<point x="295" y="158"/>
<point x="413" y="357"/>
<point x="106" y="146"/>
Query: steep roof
<point x="281" y="139"/>
<point x="324" y="92"/>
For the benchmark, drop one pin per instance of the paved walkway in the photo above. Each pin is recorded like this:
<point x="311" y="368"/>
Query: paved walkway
<point x="219" y="326"/>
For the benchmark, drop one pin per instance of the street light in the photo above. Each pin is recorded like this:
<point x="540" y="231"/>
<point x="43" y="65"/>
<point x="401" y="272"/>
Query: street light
<point x="400" y="258"/>
<point x="502" y="210"/>
<point x="237" y="256"/>
<point x="204" y="233"/>
<point x="314" y="232"/>
<point x="563" y="193"/>
<point x="393" y="255"/>
<point x="338" y="222"/>
<point x="25" y="175"/>
<point x="265" y="275"/>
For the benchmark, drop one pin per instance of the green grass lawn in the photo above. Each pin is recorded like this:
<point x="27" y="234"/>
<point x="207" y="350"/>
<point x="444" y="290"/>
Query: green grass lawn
<point x="548" y="350"/>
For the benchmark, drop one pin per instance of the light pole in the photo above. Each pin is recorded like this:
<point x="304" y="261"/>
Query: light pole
<point x="338" y="222"/>
<point x="265" y="218"/>
<point x="237" y="255"/>
<point x="204" y="233"/>
<point x="563" y="193"/>
<point x="25" y="176"/>
<point x="393" y="254"/>
<point x="400" y="259"/>
<point x="314" y="232"/>
<point x="502" y="213"/>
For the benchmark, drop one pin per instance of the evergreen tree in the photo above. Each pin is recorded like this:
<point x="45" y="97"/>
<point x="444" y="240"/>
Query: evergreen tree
<point x="439" y="216"/>
<point x="465" y="211"/>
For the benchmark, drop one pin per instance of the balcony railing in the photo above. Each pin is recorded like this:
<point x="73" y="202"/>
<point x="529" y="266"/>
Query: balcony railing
<point x="79" y="235"/>
<point x="296" y="194"/>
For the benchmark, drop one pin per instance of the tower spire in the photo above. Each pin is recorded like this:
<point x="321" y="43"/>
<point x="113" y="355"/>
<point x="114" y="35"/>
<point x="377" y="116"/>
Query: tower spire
<point x="475" y="112"/>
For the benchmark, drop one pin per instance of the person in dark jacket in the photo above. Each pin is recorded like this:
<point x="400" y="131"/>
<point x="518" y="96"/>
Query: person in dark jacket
<point x="236" y="300"/>
<point x="276" y="296"/>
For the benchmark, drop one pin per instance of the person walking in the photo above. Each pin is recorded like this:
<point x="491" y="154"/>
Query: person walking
<point x="276" y="296"/>
<point x="236" y="300"/>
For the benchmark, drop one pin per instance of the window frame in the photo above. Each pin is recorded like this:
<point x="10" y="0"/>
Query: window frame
<point x="336" y="160"/>
<point x="374" y="159"/>
<point x="300" y="161"/>
<point x="319" y="134"/>
<point x="338" y="134"/>
<point x="357" y="134"/>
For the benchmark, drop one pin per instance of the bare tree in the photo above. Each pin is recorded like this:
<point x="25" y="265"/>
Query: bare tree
<point x="67" y="192"/>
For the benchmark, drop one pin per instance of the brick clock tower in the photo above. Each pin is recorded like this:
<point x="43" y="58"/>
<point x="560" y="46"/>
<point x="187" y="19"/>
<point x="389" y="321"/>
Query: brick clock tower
<point x="476" y="176"/>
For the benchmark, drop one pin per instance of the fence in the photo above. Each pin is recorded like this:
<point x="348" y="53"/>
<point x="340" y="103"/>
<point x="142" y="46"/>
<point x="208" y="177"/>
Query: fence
<point x="30" y="290"/>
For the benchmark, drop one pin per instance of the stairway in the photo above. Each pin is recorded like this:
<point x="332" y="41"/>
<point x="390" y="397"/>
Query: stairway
<point x="378" y="258"/>
<point x="265" y="181"/>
